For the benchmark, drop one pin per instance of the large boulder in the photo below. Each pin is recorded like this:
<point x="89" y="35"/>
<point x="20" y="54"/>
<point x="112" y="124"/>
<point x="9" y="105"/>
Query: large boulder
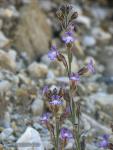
<point x="29" y="140"/>
<point x="33" y="32"/>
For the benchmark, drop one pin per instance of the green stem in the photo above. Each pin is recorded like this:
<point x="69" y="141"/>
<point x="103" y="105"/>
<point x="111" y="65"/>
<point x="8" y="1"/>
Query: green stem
<point x="78" y="132"/>
<point x="57" y="133"/>
<point x="72" y="106"/>
<point x="69" y="60"/>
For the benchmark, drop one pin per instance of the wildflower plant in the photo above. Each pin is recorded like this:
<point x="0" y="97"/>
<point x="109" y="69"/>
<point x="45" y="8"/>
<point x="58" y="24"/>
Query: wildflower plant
<point x="55" y="99"/>
<point x="105" y="142"/>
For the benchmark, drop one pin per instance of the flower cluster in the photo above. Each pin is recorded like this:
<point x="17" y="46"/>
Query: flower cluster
<point x="68" y="38"/>
<point x="54" y="99"/>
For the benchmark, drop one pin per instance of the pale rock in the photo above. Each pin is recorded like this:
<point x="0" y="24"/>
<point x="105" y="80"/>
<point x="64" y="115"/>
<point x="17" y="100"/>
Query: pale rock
<point x="37" y="107"/>
<point x="24" y="78"/>
<point x="47" y="144"/>
<point x="38" y="70"/>
<point x="12" y="10"/>
<point x="6" y="133"/>
<point x="37" y="126"/>
<point x="62" y="80"/>
<point x="45" y="60"/>
<point x="3" y="40"/>
<point x="6" y="61"/>
<point x="50" y="75"/>
<point x="99" y="13"/>
<point x="47" y="5"/>
<point x="26" y="1"/>
<point x="91" y="87"/>
<point x="89" y="41"/>
<point x="12" y="54"/>
<point x="91" y="147"/>
<point x="94" y="124"/>
<point x="5" y="86"/>
<point x="70" y="144"/>
<point x="85" y="21"/>
<point x="30" y="137"/>
<point x="1" y="24"/>
<point x="105" y="101"/>
<point x="7" y="119"/>
<point x="32" y="35"/>
<point x="78" y="9"/>
<point x="11" y="138"/>
<point x="103" y="98"/>
<point x="9" y="12"/>
<point x="101" y="35"/>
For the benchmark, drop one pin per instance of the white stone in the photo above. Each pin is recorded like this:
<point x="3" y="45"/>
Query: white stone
<point x="95" y="125"/>
<point x="91" y="147"/>
<point x="101" y="35"/>
<point x="9" y="12"/>
<point x="85" y="21"/>
<point x="89" y="41"/>
<point x="26" y="1"/>
<point x="103" y="98"/>
<point x="38" y="70"/>
<point x="12" y="54"/>
<point x="6" y="133"/>
<point x="6" y="61"/>
<point x="45" y="60"/>
<point x="99" y="13"/>
<point x="47" y="5"/>
<point x="13" y="11"/>
<point x="30" y="137"/>
<point x="78" y="9"/>
<point x="37" y="107"/>
<point x="50" y="75"/>
<point x="3" y="40"/>
<point x="47" y="144"/>
<point x="1" y="24"/>
<point x="5" y="86"/>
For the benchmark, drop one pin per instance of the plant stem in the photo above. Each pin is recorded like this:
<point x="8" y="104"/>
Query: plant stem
<point x="72" y="107"/>
<point x="57" y="133"/>
<point x="69" y="60"/>
<point x="78" y="134"/>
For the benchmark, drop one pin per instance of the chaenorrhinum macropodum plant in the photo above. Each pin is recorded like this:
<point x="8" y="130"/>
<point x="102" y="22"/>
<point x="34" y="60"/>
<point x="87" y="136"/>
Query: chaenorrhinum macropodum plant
<point x="55" y="99"/>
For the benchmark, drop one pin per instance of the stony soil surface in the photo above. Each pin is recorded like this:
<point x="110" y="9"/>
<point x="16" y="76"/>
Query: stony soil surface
<point x="26" y="31"/>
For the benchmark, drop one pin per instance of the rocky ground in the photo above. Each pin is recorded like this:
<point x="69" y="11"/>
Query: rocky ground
<point x="26" y="32"/>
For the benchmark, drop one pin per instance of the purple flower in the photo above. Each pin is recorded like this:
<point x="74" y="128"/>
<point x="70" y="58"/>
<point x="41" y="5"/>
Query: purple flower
<point x="53" y="53"/>
<point x="56" y="102"/>
<point x="90" y="66"/>
<point x="68" y="38"/>
<point x="55" y="97"/>
<point x="45" y="117"/>
<point x="104" y="142"/>
<point x="74" y="77"/>
<point x="65" y="134"/>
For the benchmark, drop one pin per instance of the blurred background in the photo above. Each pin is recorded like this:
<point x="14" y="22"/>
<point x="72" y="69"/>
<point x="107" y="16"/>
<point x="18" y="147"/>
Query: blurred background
<point x="27" y="30"/>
